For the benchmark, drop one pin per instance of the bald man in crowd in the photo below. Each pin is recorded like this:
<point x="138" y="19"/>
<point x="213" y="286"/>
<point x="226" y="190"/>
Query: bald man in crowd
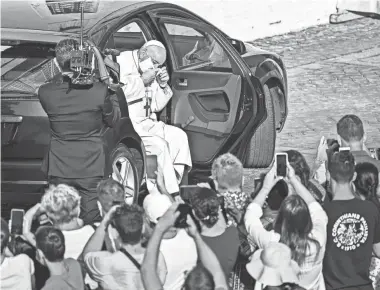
<point x="147" y="92"/>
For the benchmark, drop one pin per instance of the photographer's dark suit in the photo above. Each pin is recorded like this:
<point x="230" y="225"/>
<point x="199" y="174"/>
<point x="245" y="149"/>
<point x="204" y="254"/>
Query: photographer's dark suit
<point x="76" y="153"/>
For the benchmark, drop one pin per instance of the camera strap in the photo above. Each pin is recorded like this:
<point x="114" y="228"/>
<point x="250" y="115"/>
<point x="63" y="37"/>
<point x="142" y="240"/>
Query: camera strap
<point x="133" y="260"/>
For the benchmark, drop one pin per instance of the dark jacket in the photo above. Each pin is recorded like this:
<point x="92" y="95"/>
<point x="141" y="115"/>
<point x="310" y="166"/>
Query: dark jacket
<point x="363" y="156"/>
<point x="77" y="116"/>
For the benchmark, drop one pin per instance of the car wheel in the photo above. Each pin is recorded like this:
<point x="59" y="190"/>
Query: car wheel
<point x="262" y="145"/>
<point x="124" y="171"/>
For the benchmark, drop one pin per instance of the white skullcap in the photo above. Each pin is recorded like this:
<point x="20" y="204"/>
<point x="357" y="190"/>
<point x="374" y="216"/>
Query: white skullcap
<point x="154" y="43"/>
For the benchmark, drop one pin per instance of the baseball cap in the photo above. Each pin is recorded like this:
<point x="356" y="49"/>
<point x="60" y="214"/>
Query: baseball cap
<point x="155" y="205"/>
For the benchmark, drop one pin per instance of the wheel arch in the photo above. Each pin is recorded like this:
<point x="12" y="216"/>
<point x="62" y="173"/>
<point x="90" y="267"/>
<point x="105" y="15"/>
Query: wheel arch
<point x="271" y="74"/>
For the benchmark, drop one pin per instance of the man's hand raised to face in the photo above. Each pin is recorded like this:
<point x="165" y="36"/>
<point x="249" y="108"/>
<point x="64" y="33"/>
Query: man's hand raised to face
<point x="148" y="77"/>
<point x="162" y="77"/>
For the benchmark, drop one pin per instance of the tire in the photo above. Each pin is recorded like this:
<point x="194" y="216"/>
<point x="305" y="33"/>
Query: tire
<point x="125" y="172"/>
<point x="261" y="148"/>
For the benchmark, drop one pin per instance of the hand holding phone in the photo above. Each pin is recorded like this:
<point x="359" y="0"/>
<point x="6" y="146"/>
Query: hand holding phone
<point x="281" y="164"/>
<point x="184" y="210"/>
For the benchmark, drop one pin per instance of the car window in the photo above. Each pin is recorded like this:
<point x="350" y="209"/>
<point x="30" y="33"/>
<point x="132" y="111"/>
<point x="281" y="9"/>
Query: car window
<point x="128" y="37"/>
<point x="196" y="49"/>
<point x="26" y="66"/>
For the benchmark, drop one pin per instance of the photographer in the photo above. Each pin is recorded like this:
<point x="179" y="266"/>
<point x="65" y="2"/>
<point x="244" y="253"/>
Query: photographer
<point x="300" y="224"/>
<point x="121" y="269"/>
<point x="177" y="248"/>
<point x="61" y="204"/>
<point x="16" y="272"/>
<point x="77" y="114"/>
<point x="206" y="276"/>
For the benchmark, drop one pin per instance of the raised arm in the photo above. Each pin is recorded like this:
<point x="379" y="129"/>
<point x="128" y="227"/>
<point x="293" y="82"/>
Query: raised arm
<point x="301" y="190"/>
<point x="95" y="243"/>
<point x="149" y="273"/>
<point x="162" y="92"/>
<point x="254" y="212"/>
<point x="27" y="225"/>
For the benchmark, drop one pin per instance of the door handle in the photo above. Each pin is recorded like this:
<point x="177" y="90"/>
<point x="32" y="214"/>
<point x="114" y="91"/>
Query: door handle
<point x="182" y="82"/>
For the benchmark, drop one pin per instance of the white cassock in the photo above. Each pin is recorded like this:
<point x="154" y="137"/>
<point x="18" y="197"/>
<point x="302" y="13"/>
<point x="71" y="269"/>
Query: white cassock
<point x="169" y="143"/>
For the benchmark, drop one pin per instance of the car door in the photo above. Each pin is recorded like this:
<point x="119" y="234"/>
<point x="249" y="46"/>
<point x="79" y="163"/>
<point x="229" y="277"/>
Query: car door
<point x="25" y="132"/>
<point x="206" y="83"/>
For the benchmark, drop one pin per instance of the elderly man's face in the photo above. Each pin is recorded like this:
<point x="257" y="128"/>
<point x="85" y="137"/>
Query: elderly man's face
<point x="157" y="54"/>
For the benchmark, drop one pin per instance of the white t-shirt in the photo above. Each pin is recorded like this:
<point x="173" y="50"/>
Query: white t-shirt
<point x="76" y="240"/>
<point x="16" y="273"/>
<point x="180" y="254"/>
<point x="115" y="271"/>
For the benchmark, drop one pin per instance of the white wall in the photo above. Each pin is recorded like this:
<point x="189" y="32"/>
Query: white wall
<point x="251" y="19"/>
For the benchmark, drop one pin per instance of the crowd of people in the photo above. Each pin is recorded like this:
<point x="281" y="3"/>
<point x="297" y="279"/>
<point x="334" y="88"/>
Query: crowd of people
<point x="315" y="228"/>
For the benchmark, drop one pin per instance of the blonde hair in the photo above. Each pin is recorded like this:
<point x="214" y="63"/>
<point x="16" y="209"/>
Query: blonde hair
<point x="61" y="203"/>
<point x="227" y="170"/>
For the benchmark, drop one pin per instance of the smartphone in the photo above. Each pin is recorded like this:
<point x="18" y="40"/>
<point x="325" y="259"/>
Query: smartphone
<point x="184" y="210"/>
<point x="281" y="164"/>
<point x="16" y="221"/>
<point x="345" y="149"/>
<point x="146" y="65"/>
<point x="186" y="191"/>
<point x="151" y="166"/>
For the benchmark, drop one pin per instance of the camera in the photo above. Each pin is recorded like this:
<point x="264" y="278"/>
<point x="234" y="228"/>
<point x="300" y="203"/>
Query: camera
<point x="81" y="63"/>
<point x="184" y="210"/>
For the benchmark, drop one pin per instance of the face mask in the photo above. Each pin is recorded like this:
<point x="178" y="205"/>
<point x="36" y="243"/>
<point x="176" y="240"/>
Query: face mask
<point x="146" y="65"/>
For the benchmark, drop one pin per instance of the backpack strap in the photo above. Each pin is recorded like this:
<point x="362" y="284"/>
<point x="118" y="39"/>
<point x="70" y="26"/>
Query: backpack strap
<point x="133" y="260"/>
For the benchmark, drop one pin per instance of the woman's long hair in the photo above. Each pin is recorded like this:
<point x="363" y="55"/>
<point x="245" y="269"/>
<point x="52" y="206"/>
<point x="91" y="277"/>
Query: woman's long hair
<point x="294" y="225"/>
<point x="302" y="170"/>
<point x="367" y="181"/>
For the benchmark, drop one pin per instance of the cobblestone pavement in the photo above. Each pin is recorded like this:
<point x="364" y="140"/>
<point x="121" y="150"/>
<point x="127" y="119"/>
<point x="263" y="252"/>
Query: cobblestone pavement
<point x="333" y="70"/>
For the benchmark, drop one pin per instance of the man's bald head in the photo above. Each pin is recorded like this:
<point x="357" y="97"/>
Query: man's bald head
<point x="155" y="50"/>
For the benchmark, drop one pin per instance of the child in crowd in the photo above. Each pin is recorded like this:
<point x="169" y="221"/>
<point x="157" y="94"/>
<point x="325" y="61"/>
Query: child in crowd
<point x="227" y="174"/>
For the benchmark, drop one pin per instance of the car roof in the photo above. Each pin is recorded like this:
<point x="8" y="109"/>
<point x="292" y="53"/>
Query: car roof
<point x="35" y="15"/>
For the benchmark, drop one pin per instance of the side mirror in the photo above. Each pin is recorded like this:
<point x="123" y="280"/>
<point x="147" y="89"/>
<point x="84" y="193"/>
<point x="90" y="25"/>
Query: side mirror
<point x="239" y="46"/>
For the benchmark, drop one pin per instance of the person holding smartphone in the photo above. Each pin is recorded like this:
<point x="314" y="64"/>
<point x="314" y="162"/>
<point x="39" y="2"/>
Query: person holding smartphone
<point x="148" y="93"/>
<point x="16" y="272"/>
<point x="300" y="224"/>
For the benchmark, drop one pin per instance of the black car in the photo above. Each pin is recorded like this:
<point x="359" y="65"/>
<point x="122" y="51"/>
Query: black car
<point x="233" y="99"/>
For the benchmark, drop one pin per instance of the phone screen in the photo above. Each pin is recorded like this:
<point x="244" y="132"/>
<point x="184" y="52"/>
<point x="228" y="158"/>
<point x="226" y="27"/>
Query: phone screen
<point x="344" y="149"/>
<point x="151" y="166"/>
<point x="281" y="164"/>
<point x="17" y="219"/>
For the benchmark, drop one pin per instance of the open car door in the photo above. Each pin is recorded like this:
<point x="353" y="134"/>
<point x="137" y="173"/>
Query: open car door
<point x="207" y="85"/>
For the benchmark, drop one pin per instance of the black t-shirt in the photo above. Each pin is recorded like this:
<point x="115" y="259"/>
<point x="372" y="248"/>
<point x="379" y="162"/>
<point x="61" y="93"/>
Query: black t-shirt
<point x="226" y="248"/>
<point x="352" y="229"/>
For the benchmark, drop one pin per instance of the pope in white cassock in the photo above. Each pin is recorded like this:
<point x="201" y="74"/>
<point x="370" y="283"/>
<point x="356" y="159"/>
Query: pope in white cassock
<point x="147" y="92"/>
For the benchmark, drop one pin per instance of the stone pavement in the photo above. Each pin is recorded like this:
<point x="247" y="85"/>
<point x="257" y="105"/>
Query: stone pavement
<point x="333" y="70"/>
